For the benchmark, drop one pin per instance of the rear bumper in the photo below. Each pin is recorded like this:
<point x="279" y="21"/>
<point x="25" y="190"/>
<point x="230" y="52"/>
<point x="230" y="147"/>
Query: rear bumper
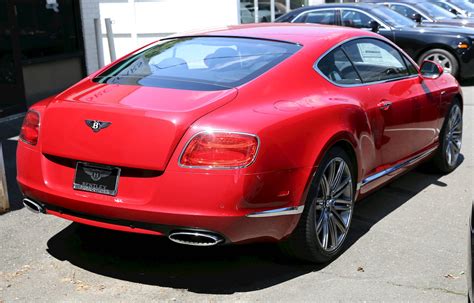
<point x="221" y="202"/>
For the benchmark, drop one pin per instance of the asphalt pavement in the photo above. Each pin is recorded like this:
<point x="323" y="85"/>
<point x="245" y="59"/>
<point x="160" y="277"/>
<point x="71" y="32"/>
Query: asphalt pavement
<point x="408" y="243"/>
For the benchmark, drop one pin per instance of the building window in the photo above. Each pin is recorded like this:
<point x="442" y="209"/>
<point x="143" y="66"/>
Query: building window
<point x="247" y="9"/>
<point x="341" y="1"/>
<point x="47" y="30"/>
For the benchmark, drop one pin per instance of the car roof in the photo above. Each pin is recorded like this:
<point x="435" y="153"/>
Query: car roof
<point x="301" y="33"/>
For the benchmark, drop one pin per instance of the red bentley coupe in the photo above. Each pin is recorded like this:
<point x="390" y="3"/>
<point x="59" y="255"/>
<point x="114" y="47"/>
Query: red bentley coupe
<point x="249" y="133"/>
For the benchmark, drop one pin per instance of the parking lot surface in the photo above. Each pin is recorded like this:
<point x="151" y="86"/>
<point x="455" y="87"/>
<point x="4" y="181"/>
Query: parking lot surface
<point x="408" y="243"/>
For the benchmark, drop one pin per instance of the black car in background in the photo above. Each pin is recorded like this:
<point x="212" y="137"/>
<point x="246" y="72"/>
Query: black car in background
<point x="462" y="8"/>
<point x="452" y="47"/>
<point x="425" y="12"/>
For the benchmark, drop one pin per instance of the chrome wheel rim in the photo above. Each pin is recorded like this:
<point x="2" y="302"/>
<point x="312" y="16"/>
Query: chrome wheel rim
<point x="454" y="136"/>
<point x="334" y="205"/>
<point x="442" y="60"/>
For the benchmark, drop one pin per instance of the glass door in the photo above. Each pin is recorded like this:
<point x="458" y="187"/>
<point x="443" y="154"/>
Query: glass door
<point x="11" y="80"/>
<point x="248" y="12"/>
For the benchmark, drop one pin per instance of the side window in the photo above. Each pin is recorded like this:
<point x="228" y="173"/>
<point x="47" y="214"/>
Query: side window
<point x="404" y="10"/>
<point x="375" y="60"/>
<point x="443" y="5"/>
<point x="321" y="17"/>
<point x="338" y="68"/>
<point x="355" y="19"/>
<point x="412" y="70"/>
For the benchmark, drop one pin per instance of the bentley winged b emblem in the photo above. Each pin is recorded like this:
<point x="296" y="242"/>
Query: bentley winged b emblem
<point x="97" y="125"/>
<point x="97" y="174"/>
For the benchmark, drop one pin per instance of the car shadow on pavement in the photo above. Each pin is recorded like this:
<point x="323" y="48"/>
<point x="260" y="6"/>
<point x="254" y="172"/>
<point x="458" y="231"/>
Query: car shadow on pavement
<point x="383" y="202"/>
<point x="157" y="261"/>
<point x="215" y="270"/>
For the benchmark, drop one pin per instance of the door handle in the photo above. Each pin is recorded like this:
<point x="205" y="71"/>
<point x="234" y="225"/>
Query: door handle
<point x="384" y="105"/>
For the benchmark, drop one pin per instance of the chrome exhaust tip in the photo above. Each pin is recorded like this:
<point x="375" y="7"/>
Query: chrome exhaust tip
<point x="195" y="238"/>
<point x="33" y="206"/>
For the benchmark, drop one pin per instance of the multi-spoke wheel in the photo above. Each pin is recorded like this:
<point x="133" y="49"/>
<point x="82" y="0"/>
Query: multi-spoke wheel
<point x="454" y="136"/>
<point x="443" y="58"/>
<point x="447" y="157"/>
<point x="334" y="205"/>
<point x="326" y="219"/>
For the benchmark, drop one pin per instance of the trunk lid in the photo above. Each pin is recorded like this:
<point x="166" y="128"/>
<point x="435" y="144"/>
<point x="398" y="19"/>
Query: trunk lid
<point x="146" y="122"/>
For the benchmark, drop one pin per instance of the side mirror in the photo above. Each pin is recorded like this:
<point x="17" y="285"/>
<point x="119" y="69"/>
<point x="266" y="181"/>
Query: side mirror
<point x="452" y="10"/>
<point x="374" y="26"/>
<point x="431" y="70"/>
<point x="417" y="18"/>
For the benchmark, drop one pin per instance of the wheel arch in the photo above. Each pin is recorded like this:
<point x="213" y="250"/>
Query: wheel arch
<point x="351" y="151"/>
<point x="459" y="97"/>
<point x="437" y="46"/>
<point x="345" y="140"/>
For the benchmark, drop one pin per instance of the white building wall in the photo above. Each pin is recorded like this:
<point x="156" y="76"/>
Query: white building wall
<point x="138" y="22"/>
<point x="89" y="11"/>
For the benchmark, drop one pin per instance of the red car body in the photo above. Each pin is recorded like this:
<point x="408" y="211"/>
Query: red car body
<point x="295" y="112"/>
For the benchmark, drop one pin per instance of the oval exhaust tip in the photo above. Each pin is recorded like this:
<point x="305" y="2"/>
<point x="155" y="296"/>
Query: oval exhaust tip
<point x="33" y="206"/>
<point x="195" y="238"/>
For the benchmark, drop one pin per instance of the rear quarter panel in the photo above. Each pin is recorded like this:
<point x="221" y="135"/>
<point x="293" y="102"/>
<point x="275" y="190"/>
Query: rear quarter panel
<point x="298" y="115"/>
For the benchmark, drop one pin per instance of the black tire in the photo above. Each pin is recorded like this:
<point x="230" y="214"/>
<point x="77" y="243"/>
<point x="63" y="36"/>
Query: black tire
<point x="441" y="160"/>
<point x="304" y="243"/>
<point x="433" y="54"/>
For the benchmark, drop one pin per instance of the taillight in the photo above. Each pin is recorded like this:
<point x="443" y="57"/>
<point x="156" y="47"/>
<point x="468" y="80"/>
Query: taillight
<point x="220" y="150"/>
<point x="30" y="128"/>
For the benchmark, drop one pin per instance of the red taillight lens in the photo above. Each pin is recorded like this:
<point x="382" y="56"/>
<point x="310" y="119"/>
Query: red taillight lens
<point x="30" y="128"/>
<point x="220" y="150"/>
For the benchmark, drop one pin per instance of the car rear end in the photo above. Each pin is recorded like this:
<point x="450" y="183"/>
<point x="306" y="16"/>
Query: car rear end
<point x="119" y="150"/>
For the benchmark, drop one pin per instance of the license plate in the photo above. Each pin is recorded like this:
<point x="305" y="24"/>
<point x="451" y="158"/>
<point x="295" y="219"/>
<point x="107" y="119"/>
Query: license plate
<point x="94" y="178"/>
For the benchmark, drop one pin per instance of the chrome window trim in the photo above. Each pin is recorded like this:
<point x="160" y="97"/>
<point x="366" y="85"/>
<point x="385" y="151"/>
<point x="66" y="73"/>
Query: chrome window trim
<point x="316" y="68"/>
<point x="429" y="19"/>
<point x="221" y="167"/>
<point x="395" y="168"/>
<point x="294" y="210"/>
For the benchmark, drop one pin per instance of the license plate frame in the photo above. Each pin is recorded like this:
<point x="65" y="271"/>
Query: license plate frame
<point x="88" y="177"/>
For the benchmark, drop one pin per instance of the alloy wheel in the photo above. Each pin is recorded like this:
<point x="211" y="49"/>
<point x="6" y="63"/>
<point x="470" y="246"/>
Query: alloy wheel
<point x="334" y="205"/>
<point x="442" y="60"/>
<point x="454" y="135"/>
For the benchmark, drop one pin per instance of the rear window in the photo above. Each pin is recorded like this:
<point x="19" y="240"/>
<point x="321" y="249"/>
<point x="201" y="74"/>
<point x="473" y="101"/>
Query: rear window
<point x="199" y="63"/>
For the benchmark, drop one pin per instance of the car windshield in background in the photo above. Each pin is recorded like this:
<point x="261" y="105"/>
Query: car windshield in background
<point x="392" y="18"/>
<point x="199" y="63"/>
<point x="462" y="4"/>
<point x="436" y="11"/>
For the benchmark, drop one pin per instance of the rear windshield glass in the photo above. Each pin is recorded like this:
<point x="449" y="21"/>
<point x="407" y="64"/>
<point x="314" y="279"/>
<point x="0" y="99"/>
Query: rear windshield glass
<point x="199" y="63"/>
<point x="391" y="17"/>
<point x="436" y="11"/>
<point x="467" y="6"/>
